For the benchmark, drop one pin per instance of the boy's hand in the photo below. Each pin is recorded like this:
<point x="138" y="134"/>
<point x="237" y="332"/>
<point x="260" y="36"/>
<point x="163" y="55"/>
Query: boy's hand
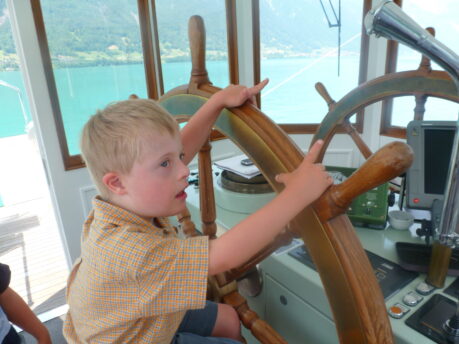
<point x="235" y="95"/>
<point x="309" y="180"/>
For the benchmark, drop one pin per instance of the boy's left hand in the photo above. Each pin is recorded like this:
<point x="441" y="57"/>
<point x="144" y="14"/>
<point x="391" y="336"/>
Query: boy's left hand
<point x="235" y="95"/>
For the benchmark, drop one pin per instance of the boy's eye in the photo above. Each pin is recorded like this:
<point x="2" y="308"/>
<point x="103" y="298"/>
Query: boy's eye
<point x="182" y="156"/>
<point x="165" y="163"/>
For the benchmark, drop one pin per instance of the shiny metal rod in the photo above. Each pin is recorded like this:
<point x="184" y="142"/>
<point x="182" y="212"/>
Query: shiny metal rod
<point x="388" y="20"/>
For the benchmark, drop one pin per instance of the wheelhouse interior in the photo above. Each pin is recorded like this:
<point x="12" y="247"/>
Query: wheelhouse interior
<point x="329" y="79"/>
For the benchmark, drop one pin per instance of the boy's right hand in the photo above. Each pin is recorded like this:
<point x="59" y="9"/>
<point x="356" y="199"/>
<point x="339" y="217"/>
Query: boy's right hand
<point x="309" y="180"/>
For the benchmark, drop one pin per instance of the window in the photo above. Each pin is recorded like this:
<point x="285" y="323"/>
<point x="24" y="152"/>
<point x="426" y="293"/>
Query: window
<point x="15" y="117"/>
<point x="442" y="16"/>
<point x="97" y="52"/>
<point x="173" y="17"/>
<point x="96" y="55"/>
<point x="305" y="42"/>
<point x="104" y="51"/>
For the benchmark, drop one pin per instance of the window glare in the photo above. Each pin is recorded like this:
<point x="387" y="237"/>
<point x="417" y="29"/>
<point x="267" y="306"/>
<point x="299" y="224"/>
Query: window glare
<point x="299" y="47"/>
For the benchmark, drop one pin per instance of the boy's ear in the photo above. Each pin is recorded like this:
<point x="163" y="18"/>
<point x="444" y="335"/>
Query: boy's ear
<point x="113" y="182"/>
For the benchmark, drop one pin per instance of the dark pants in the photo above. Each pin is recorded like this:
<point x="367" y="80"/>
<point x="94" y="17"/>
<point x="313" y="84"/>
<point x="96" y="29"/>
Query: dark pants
<point x="197" y="326"/>
<point x="12" y="337"/>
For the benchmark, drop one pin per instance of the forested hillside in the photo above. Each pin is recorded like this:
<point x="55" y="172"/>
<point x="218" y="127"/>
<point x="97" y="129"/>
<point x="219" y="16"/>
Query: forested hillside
<point x="98" y="32"/>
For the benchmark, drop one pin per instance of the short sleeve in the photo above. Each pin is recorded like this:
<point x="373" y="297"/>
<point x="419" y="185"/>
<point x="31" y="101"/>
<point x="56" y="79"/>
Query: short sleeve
<point x="173" y="276"/>
<point x="5" y="277"/>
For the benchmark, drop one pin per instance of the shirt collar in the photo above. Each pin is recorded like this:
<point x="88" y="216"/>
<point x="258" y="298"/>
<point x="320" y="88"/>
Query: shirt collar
<point x="121" y="217"/>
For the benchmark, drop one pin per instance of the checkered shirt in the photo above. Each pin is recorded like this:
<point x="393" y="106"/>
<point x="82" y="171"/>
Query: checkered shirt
<point x="134" y="280"/>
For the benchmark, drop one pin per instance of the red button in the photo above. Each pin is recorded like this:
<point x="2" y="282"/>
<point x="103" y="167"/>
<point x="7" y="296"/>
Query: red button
<point x="396" y="310"/>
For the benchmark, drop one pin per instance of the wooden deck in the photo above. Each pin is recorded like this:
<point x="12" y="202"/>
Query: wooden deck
<point x="30" y="241"/>
<point x="30" y="244"/>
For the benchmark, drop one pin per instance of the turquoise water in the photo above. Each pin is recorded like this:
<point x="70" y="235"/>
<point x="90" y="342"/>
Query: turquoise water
<point x="12" y="121"/>
<point x="82" y="91"/>
<point x="290" y="96"/>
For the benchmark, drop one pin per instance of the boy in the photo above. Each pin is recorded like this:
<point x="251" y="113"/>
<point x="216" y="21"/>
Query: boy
<point x="135" y="280"/>
<point x="14" y="309"/>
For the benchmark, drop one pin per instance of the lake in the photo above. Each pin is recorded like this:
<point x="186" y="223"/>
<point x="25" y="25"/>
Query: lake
<point x="290" y="96"/>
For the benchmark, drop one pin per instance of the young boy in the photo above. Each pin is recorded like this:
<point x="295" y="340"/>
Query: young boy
<point x="14" y="309"/>
<point x="136" y="281"/>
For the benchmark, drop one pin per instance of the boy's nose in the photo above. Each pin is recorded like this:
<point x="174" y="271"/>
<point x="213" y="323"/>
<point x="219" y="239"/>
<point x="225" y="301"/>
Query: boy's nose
<point x="184" y="171"/>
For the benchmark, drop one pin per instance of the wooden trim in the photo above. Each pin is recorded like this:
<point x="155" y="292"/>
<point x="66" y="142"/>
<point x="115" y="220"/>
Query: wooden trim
<point x="364" y="46"/>
<point x="386" y="128"/>
<point x="387" y="104"/>
<point x="288" y="128"/>
<point x="256" y="46"/>
<point x="309" y="128"/>
<point x="215" y="135"/>
<point x="299" y="128"/>
<point x="231" y="31"/>
<point x="70" y="161"/>
<point x="393" y="131"/>
<point x="151" y="61"/>
<point x="363" y="65"/>
<point x="147" y="19"/>
<point x="155" y="38"/>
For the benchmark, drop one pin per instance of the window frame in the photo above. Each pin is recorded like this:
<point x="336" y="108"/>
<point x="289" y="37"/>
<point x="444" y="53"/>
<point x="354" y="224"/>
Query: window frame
<point x="386" y="129"/>
<point x="153" y="70"/>
<point x="311" y="128"/>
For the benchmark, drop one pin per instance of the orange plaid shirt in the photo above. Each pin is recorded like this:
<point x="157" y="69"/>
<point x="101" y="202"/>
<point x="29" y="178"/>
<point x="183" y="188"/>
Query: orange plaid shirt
<point x="134" y="280"/>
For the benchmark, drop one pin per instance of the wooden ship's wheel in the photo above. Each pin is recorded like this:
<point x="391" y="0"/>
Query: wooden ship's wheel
<point x="353" y="292"/>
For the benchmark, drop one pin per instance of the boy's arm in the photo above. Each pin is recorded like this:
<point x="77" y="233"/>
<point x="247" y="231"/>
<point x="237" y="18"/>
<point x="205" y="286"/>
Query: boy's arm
<point x="303" y="186"/>
<point x="20" y="314"/>
<point x="197" y="130"/>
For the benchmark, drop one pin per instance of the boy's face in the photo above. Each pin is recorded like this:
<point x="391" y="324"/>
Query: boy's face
<point x="156" y="184"/>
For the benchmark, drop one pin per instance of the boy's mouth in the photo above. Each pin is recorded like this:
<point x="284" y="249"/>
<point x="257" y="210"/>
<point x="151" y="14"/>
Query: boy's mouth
<point x="181" y="195"/>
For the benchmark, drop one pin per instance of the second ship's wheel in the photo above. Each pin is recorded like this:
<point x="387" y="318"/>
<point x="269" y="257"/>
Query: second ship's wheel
<point x="421" y="84"/>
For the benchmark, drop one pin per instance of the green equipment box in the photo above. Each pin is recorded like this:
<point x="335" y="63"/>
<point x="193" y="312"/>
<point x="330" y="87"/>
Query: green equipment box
<point x="368" y="209"/>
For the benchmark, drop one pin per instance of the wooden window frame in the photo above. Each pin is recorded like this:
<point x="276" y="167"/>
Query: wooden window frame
<point x="386" y="129"/>
<point x="152" y="66"/>
<point x="153" y="72"/>
<point x="71" y="162"/>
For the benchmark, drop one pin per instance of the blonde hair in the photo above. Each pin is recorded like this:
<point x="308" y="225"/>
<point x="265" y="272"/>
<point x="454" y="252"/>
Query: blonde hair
<point x="111" y="140"/>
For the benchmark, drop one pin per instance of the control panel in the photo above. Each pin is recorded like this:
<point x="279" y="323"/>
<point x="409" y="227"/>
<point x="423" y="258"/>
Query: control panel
<point x="368" y="209"/>
<point x="417" y="310"/>
<point x="292" y="298"/>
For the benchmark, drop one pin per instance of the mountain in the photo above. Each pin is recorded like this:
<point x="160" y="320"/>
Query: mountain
<point x="97" y="32"/>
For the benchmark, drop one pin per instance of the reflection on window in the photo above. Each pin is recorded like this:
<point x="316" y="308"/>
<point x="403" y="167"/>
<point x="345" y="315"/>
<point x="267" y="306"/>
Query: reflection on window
<point x="172" y="17"/>
<point x="96" y="54"/>
<point x="304" y="42"/>
<point x="14" y="117"/>
<point x="442" y="16"/>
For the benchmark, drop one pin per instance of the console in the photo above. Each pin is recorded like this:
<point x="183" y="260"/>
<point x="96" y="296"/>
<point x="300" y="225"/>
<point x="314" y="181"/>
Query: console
<point x="292" y="298"/>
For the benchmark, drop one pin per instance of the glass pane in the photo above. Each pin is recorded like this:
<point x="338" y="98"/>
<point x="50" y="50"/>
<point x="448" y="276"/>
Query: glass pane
<point x="15" y="116"/>
<point x="299" y="47"/>
<point x="172" y="17"/>
<point x="96" y="53"/>
<point x="442" y="16"/>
